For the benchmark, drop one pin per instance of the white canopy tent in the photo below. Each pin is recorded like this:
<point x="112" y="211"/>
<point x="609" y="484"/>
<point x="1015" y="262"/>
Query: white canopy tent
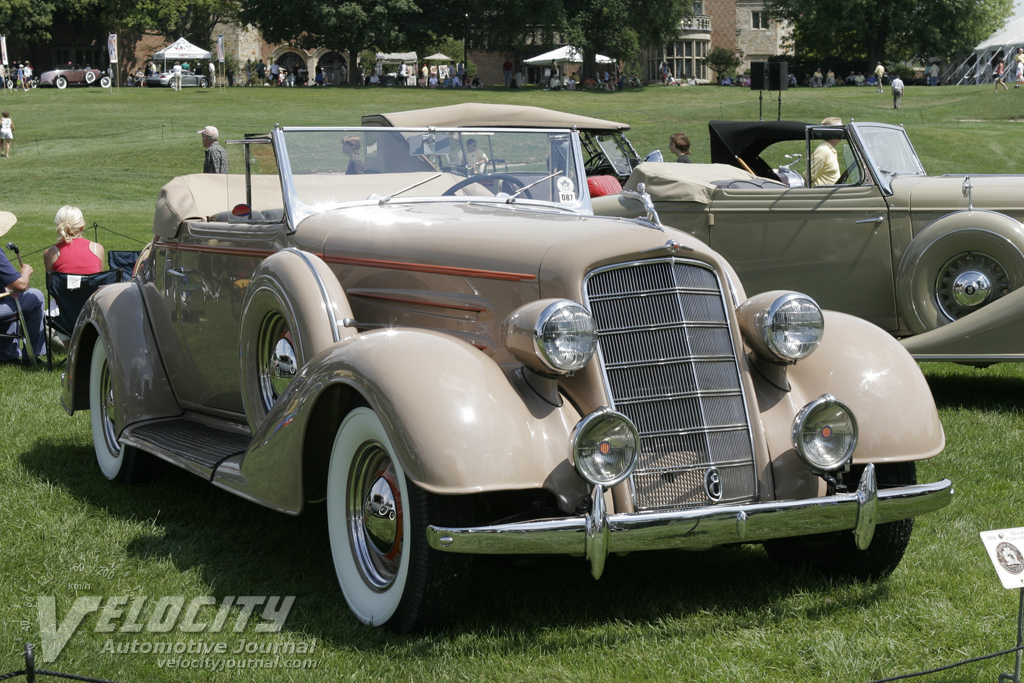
<point x="979" y="65"/>
<point x="180" y="49"/>
<point x="438" y="57"/>
<point x="563" y="55"/>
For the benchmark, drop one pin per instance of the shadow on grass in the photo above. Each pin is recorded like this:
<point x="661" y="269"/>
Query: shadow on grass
<point x="240" y="548"/>
<point x="996" y="388"/>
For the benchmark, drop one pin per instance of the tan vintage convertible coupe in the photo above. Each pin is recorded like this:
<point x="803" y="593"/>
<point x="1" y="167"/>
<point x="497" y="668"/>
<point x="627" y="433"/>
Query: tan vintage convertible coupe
<point x="935" y="261"/>
<point x="458" y="357"/>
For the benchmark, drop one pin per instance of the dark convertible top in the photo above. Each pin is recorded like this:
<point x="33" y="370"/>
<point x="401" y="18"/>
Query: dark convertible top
<point x="747" y="139"/>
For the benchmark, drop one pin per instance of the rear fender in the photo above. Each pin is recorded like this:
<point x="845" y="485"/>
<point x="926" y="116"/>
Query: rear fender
<point x="115" y="317"/>
<point x="457" y="422"/>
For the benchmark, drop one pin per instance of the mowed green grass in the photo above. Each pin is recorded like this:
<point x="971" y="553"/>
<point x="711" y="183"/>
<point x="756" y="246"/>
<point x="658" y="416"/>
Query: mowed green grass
<point x="728" y="614"/>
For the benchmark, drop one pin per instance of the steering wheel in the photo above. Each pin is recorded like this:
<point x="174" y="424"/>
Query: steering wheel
<point x="515" y="182"/>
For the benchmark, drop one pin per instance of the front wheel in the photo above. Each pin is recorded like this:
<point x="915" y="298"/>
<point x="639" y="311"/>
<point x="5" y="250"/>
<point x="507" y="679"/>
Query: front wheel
<point x="105" y="82"/>
<point x="204" y="83"/>
<point x="837" y="554"/>
<point x="118" y="463"/>
<point x="377" y="522"/>
<point x="60" y="82"/>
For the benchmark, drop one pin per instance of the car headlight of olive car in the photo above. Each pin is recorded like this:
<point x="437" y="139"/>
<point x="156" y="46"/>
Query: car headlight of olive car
<point x="825" y="434"/>
<point x="782" y="327"/>
<point x="604" y="447"/>
<point x="551" y="336"/>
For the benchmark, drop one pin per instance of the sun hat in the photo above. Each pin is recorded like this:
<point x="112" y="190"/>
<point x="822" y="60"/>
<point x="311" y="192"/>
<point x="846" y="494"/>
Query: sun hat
<point x="7" y="221"/>
<point x="210" y="132"/>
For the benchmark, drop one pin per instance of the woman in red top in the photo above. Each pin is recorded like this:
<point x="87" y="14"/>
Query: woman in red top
<point x="73" y="253"/>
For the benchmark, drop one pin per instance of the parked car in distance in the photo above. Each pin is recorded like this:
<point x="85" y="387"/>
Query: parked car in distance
<point x="606" y="149"/>
<point x="936" y="261"/>
<point x="63" y="76"/>
<point x="443" y="343"/>
<point x="189" y="79"/>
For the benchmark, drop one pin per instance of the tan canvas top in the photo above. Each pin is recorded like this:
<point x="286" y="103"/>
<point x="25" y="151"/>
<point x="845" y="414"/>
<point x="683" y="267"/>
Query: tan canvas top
<point x="668" y="181"/>
<point x="491" y="115"/>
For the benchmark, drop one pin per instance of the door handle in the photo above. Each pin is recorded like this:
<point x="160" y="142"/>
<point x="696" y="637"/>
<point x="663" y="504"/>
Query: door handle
<point x="175" y="272"/>
<point x="877" y="219"/>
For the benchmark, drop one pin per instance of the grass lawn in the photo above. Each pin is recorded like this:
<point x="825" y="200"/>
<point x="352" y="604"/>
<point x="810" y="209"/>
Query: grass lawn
<point x="729" y="614"/>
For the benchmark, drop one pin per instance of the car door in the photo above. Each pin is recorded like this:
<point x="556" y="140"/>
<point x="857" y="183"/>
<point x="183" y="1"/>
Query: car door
<point x="830" y="242"/>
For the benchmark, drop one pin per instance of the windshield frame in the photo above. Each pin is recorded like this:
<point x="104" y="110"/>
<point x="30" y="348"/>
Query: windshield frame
<point x="862" y="134"/>
<point x="297" y="211"/>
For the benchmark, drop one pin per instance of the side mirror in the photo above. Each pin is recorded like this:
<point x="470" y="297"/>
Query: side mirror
<point x="655" y="156"/>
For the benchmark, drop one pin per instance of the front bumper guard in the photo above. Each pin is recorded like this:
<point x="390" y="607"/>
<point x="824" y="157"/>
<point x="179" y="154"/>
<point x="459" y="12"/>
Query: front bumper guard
<point x="596" y="534"/>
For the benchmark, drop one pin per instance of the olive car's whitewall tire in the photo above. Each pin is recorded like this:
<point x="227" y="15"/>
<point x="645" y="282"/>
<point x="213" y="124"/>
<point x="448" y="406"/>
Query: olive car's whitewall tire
<point x="377" y="522"/>
<point x="837" y="554"/>
<point x="60" y="82"/>
<point x="944" y="279"/>
<point x="117" y="462"/>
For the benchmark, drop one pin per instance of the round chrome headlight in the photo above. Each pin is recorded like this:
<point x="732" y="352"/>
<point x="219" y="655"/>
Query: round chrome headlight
<point x="604" y="447"/>
<point x="825" y="434"/>
<point x="792" y="326"/>
<point x="552" y="336"/>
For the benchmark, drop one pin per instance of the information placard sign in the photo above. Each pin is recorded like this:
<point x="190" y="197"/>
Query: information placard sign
<point x="1006" y="550"/>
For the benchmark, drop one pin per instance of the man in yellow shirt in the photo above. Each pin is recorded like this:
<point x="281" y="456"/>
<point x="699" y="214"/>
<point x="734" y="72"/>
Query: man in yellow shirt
<point x="476" y="159"/>
<point x="825" y="159"/>
<point x="879" y="74"/>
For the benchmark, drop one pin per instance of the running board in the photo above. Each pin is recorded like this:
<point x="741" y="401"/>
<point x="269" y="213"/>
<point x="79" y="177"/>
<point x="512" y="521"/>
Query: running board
<point x="195" y="446"/>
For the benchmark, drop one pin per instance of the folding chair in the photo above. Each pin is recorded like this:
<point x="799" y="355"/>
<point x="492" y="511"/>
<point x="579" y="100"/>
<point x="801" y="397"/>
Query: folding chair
<point x="123" y="261"/>
<point x="70" y="292"/>
<point x="17" y="321"/>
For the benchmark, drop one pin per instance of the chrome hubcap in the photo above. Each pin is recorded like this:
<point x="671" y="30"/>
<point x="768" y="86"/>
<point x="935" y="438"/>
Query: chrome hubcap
<point x="968" y="282"/>
<point x="375" y="516"/>
<point x="277" y="360"/>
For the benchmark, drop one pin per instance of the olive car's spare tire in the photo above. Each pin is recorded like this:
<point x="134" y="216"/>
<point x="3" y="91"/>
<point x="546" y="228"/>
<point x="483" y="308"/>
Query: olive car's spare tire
<point x="60" y="82"/>
<point x="117" y="462"/>
<point x="105" y="82"/>
<point x="377" y="521"/>
<point x="837" y="554"/>
<point x="294" y="309"/>
<point x="955" y="267"/>
<point x="90" y="77"/>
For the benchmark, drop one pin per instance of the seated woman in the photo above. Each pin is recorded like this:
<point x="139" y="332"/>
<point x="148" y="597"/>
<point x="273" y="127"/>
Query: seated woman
<point x="73" y="253"/>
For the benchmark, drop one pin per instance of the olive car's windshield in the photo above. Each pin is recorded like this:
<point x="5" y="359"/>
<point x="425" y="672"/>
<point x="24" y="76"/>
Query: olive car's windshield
<point x="324" y="168"/>
<point x="888" y="151"/>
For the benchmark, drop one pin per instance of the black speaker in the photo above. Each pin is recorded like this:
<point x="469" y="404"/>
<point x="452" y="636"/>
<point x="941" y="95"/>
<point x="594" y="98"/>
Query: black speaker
<point x="778" y="76"/>
<point x="758" y="75"/>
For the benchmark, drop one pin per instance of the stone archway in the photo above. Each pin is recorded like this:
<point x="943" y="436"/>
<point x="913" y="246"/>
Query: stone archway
<point x="335" y="67"/>
<point x="294" y="63"/>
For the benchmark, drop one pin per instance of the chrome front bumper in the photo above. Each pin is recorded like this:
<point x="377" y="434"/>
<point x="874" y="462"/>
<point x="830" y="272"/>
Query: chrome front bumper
<point x="599" y="533"/>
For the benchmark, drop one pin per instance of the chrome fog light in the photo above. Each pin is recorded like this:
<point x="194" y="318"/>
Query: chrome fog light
<point x="825" y="434"/>
<point x="605" y="445"/>
<point x="554" y="336"/>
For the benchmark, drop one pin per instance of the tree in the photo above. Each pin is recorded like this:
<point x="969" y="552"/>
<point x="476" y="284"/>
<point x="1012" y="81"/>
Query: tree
<point x="722" y="61"/>
<point x="882" y="30"/>
<point x="349" y="26"/>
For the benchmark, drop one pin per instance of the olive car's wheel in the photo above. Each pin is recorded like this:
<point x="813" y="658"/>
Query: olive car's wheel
<point x="105" y="82"/>
<point x="60" y="82"/>
<point x="204" y="83"/>
<point x="90" y="77"/>
<point x="485" y="178"/>
<point x="837" y="554"/>
<point x="956" y="274"/>
<point x="117" y="462"/>
<point x="377" y="521"/>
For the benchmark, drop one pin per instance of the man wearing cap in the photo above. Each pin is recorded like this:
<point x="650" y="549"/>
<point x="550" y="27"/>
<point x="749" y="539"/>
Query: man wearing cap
<point x="16" y="281"/>
<point x="216" y="156"/>
<point x="825" y="159"/>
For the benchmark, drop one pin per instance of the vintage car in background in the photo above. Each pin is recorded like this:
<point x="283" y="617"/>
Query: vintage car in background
<point x="63" y="76"/>
<point x="477" y="364"/>
<point x="606" y="149"/>
<point x="935" y="261"/>
<point x="189" y="79"/>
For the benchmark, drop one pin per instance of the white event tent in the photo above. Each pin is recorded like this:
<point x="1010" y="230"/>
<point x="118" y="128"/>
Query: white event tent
<point x="180" y="49"/>
<point x="979" y="65"/>
<point x="565" y="55"/>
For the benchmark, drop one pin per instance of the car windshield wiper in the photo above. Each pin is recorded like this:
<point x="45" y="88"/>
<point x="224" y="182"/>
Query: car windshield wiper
<point x="382" y="200"/>
<point x="524" y="188"/>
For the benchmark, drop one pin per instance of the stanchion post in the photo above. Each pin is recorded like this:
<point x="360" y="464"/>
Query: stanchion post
<point x="1015" y="677"/>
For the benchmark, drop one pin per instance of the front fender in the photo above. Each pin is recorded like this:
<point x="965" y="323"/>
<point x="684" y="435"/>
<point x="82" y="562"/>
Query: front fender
<point x="116" y="317"/>
<point x="865" y="368"/>
<point x="992" y="334"/>
<point x="457" y="422"/>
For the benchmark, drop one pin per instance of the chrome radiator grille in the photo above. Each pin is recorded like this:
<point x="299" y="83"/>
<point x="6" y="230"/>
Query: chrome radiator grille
<point x="668" y="358"/>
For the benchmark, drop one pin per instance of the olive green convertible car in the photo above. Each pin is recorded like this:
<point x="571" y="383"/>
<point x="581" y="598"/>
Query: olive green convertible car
<point x="935" y="261"/>
<point x="459" y="358"/>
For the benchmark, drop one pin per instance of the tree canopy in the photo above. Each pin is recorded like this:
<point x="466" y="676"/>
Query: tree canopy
<point x="884" y="30"/>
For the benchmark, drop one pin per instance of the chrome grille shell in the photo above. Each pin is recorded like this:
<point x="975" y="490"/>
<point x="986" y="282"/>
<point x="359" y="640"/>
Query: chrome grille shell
<point x="668" y="358"/>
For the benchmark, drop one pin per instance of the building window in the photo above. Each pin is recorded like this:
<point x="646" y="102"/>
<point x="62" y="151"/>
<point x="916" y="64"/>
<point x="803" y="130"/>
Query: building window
<point x="683" y="59"/>
<point x="698" y="8"/>
<point x="759" y="19"/>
